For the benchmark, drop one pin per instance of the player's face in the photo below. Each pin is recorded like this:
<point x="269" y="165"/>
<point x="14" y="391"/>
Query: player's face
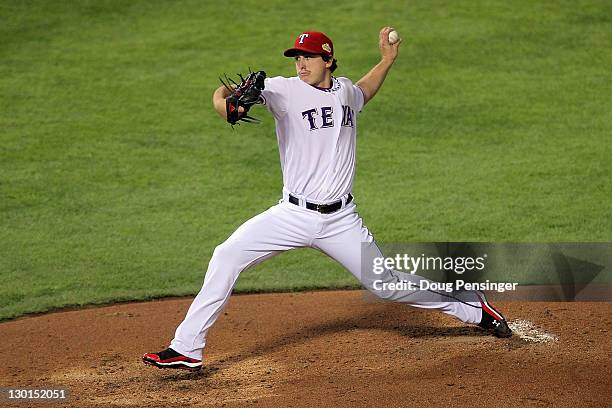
<point x="312" y="69"/>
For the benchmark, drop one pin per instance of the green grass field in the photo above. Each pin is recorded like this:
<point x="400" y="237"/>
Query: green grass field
<point x="117" y="178"/>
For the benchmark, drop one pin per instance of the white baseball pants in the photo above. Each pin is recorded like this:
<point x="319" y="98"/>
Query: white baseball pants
<point x="286" y="226"/>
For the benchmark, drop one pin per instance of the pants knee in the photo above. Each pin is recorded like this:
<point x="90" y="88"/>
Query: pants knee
<point x="223" y="253"/>
<point x="223" y="267"/>
<point x="382" y="294"/>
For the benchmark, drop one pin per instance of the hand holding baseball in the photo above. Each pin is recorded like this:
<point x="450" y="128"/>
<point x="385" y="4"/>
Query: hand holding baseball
<point x="393" y="37"/>
<point x="389" y="43"/>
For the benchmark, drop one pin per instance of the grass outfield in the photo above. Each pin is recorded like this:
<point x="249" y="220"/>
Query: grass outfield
<point x="117" y="179"/>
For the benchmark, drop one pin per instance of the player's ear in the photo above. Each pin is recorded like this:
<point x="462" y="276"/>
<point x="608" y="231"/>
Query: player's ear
<point x="329" y="62"/>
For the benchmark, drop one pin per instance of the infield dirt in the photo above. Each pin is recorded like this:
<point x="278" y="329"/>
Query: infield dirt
<point x="335" y="348"/>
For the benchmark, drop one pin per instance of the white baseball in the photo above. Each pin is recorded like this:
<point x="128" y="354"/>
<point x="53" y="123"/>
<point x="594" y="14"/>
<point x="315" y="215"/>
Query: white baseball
<point x="393" y="37"/>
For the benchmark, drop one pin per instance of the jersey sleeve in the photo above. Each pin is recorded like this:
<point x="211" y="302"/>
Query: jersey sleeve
<point x="275" y="96"/>
<point x="359" y="97"/>
<point x="353" y="93"/>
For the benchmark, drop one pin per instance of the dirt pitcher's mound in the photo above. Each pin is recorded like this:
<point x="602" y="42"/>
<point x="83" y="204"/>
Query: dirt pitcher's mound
<point x="316" y="349"/>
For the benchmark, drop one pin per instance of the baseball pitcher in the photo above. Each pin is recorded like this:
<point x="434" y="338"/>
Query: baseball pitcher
<point x="316" y="127"/>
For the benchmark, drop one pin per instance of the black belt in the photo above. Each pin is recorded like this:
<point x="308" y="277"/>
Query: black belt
<point x="322" y="208"/>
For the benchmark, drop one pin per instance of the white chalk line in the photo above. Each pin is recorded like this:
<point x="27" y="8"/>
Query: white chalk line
<point x="528" y="331"/>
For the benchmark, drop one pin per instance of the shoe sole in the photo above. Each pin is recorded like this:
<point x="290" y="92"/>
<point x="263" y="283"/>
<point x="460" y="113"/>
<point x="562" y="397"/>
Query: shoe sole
<point x="175" y="365"/>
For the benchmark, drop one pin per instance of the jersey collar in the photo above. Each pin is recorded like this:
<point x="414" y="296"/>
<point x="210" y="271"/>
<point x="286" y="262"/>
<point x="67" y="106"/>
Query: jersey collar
<point x="334" y="86"/>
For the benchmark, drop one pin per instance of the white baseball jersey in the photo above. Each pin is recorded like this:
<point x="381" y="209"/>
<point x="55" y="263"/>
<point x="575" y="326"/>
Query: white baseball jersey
<point x="316" y="130"/>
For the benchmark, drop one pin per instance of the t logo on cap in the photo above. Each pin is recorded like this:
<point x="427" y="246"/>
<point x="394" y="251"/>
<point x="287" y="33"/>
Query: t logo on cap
<point x="317" y="44"/>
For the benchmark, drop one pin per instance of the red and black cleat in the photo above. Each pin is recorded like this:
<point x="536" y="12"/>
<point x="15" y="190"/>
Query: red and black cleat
<point x="492" y="320"/>
<point x="169" y="358"/>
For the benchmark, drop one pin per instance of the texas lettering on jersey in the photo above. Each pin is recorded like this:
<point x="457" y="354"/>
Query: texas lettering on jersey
<point x="326" y="119"/>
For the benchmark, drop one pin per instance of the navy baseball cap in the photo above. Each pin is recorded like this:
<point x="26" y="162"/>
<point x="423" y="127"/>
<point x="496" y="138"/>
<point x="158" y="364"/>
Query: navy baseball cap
<point x="312" y="42"/>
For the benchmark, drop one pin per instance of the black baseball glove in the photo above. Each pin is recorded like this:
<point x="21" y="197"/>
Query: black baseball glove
<point x="245" y="94"/>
